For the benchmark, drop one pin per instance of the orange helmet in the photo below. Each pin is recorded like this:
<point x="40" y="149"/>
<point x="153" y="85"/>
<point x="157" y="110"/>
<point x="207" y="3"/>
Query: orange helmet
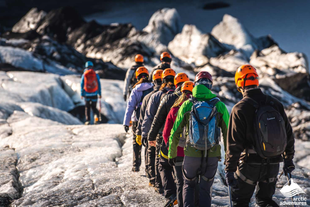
<point x="180" y="78"/>
<point x="139" y="58"/>
<point x="165" y="56"/>
<point x="157" y="74"/>
<point x="140" y="71"/>
<point x="246" y="75"/>
<point x="168" y="72"/>
<point x="187" y="86"/>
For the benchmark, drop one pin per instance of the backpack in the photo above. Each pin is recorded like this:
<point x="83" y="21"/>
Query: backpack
<point x="203" y="132"/>
<point x="144" y="93"/>
<point x="269" y="129"/>
<point x="90" y="81"/>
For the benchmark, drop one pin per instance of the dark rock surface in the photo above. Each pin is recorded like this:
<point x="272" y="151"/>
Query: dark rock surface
<point x="297" y="85"/>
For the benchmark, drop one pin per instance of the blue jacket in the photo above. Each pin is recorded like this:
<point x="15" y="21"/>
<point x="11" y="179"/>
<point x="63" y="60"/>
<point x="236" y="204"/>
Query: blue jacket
<point x="134" y="101"/>
<point x="84" y="93"/>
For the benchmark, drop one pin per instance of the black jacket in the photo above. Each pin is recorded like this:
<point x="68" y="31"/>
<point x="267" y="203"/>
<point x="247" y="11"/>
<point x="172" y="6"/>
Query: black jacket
<point x="159" y="66"/>
<point x="162" y="113"/>
<point x="241" y="128"/>
<point x="143" y="108"/>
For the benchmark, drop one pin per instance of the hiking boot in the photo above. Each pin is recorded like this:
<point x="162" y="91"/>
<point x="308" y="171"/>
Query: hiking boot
<point x="171" y="200"/>
<point x="87" y="123"/>
<point x="159" y="190"/>
<point x="96" y="121"/>
<point x="135" y="169"/>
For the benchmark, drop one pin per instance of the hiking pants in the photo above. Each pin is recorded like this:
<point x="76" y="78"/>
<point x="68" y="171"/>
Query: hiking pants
<point x="178" y="173"/>
<point x="166" y="175"/>
<point x="159" y="140"/>
<point x="259" y="175"/>
<point x="191" y="166"/>
<point x="91" y="103"/>
<point x="151" y="163"/>
<point x="136" y="148"/>
<point x="146" y="160"/>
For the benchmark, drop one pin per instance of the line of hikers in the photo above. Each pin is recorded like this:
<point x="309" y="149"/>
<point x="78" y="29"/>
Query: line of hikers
<point x="179" y="123"/>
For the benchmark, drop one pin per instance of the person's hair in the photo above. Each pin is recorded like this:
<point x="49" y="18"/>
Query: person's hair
<point x="142" y="80"/>
<point x="164" y="85"/>
<point x="181" y="99"/>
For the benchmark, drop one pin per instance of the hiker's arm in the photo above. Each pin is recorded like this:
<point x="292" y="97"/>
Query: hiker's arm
<point x="131" y="105"/>
<point x="177" y="128"/>
<point x="99" y="85"/>
<point x="159" y="120"/>
<point x="82" y="86"/>
<point x="290" y="150"/>
<point x="236" y="136"/>
<point x="127" y="81"/>
<point x="223" y="121"/>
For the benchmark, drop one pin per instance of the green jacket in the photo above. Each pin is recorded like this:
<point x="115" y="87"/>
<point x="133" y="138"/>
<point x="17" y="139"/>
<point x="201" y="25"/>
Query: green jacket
<point x="201" y="93"/>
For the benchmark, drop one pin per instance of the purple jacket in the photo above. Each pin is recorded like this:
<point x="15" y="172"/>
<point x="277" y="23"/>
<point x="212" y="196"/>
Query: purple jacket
<point x="134" y="100"/>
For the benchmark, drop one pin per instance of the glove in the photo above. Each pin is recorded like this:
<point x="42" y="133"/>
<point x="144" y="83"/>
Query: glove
<point x="231" y="180"/>
<point x="126" y="128"/>
<point x="138" y="140"/>
<point x="144" y="141"/>
<point x="125" y="97"/>
<point x="288" y="167"/>
<point x="172" y="161"/>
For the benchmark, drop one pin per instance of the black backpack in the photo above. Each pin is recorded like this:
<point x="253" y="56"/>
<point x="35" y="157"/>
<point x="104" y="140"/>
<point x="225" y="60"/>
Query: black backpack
<point x="269" y="129"/>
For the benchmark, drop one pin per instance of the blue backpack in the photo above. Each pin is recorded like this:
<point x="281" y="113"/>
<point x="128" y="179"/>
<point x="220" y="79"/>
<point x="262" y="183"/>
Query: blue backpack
<point x="203" y="131"/>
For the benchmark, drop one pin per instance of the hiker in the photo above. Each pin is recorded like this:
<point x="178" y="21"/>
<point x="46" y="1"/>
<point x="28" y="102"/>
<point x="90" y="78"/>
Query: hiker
<point x="157" y="81"/>
<point x="258" y="139"/>
<point x="165" y="59"/>
<point x="130" y="79"/>
<point x="167" y="101"/>
<point x="186" y="90"/>
<point x="90" y="91"/>
<point x="151" y="109"/>
<point x="140" y="90"/>
<point x="202" y="115"/>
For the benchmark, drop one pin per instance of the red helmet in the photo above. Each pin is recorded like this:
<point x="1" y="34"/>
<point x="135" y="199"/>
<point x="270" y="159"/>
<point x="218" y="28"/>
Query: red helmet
<point x="203" y="74"/>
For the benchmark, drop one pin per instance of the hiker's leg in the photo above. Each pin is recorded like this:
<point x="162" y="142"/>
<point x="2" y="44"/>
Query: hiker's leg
<point x="191" y="166"/>
<point x="205" y="186"/>
<point x="151" y="163"/>
<point x="157" y="174"/>
<point x="94" y="107"/>
<point x="179" y="179"/>
<point x="136" y="148"/>
<point x="167" y="180"/>
<point x="241" y="194"/>
<point x="87" y="109"/>
<point x="265" y="189"/>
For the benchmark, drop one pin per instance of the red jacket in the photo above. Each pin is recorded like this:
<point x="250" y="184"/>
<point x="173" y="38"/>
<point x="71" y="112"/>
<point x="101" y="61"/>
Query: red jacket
<point x="172" y="115"/>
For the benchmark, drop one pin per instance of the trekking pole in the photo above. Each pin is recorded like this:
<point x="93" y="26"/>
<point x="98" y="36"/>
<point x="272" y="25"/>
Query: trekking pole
<point x="99" y="110"/>
<point x="229" y="193"/>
